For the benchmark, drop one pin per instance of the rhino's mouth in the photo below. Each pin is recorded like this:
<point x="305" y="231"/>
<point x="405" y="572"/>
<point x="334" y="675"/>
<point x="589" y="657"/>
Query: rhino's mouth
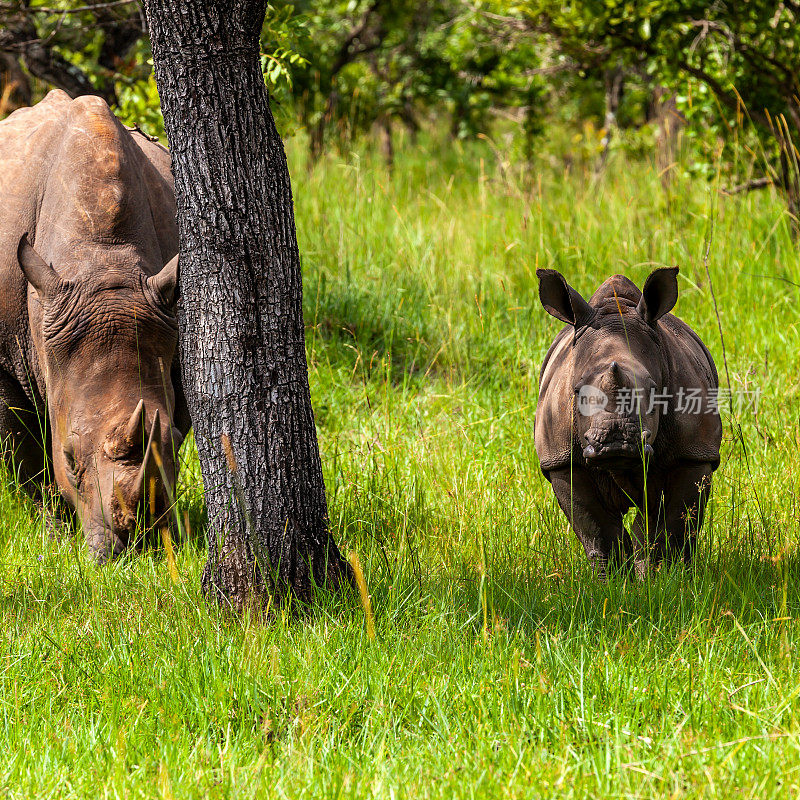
<point x="617" y="448"/>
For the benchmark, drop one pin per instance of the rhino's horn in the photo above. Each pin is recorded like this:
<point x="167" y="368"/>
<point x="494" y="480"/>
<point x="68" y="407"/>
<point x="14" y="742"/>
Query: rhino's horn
<point x="153" y="439"/>
<point x="613" y="376"/>
<point x="135" y="427"/>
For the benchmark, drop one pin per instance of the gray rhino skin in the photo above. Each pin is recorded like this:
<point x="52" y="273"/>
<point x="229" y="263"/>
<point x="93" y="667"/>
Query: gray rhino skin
<point x="659" y="460"/>
<point x="88" y="332"/>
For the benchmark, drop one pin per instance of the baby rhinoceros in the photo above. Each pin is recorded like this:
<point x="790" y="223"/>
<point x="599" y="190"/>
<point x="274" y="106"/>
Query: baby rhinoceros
<point x="627" y="417"/>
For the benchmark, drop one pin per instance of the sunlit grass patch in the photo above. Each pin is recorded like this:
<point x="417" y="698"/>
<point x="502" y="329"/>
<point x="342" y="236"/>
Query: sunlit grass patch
<point x="499" y="666"/>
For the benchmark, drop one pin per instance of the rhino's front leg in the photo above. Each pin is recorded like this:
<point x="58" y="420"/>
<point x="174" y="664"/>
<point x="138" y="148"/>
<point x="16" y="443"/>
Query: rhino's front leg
<point x="598" y="527"/>
<point x="667" y="527"/>
<point x="648" y="529"/>
<point x="686" y="493"/>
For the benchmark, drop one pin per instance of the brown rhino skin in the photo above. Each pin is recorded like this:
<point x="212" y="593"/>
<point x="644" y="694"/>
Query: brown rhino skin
<point x="87" y="320"/>
<point x="659" y="461"/>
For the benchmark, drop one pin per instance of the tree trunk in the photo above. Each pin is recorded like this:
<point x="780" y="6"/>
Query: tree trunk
<point x="387" y="141"/>
<point x="15" y="88"/>
<point x="409" y="119"/>
<point x="242" y="345"/>
<point x="614" y="83"/>
<point x="317" y="139"/>
<point x="670" y="123"/>
<point x="790" y="167"/>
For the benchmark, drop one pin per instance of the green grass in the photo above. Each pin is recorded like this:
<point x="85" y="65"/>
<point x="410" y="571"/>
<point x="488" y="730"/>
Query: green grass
<point x="500" y="666"/>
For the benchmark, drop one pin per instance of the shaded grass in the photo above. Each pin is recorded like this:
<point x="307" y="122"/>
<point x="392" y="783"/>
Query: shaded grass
<point x="500" y="667"/>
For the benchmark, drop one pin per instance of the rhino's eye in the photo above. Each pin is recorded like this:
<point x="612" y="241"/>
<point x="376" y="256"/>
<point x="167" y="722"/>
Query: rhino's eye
<point x="69" y="459"/>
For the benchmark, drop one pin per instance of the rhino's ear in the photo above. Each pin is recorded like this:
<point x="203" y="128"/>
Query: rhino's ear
<point x="561" y="300"/>
<point x="659" y="294"/>
<point x="165" y="283"/>
<point x="39" y="273"/>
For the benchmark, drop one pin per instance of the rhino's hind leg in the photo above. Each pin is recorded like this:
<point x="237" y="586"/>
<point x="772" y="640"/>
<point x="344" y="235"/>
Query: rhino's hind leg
<point x="598" y="527"/>
<point x="647" y="532"/>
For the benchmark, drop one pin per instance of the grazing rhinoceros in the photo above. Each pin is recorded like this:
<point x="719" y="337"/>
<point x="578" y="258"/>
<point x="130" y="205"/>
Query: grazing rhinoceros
<point x="627" y="417"/>
<point x="88" y="270"/>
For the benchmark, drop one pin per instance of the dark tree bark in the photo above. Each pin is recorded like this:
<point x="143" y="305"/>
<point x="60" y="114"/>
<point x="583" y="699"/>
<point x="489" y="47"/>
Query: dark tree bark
<point x="241" y="323"/>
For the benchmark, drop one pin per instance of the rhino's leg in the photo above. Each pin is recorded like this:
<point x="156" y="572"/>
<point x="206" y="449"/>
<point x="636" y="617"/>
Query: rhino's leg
<point x="686" y="493"/>
<point x="23" y="436"/>
<point x="596" y="522"/>
<point x="647" y="532"/>
<point x="667" y="527"/>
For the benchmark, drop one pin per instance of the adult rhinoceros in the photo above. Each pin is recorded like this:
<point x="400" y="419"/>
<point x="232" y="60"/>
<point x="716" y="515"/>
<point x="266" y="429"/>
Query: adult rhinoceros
<point x="88" y="272"/>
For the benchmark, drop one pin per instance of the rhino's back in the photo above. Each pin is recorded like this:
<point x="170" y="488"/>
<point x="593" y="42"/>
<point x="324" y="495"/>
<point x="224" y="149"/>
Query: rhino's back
<point x="28" y="146"/>
<point x="690" y="435"/>
<point x="80" y="184"/>
<point x="88" y="191"/>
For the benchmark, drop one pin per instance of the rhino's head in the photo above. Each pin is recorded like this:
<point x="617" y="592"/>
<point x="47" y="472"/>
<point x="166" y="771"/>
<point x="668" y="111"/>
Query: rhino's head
<point x="618" y="368"/>
<point x="106" y="346"/>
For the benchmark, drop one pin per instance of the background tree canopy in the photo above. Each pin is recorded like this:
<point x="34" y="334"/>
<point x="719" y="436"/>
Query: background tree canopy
<point x="681" y="81"/>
